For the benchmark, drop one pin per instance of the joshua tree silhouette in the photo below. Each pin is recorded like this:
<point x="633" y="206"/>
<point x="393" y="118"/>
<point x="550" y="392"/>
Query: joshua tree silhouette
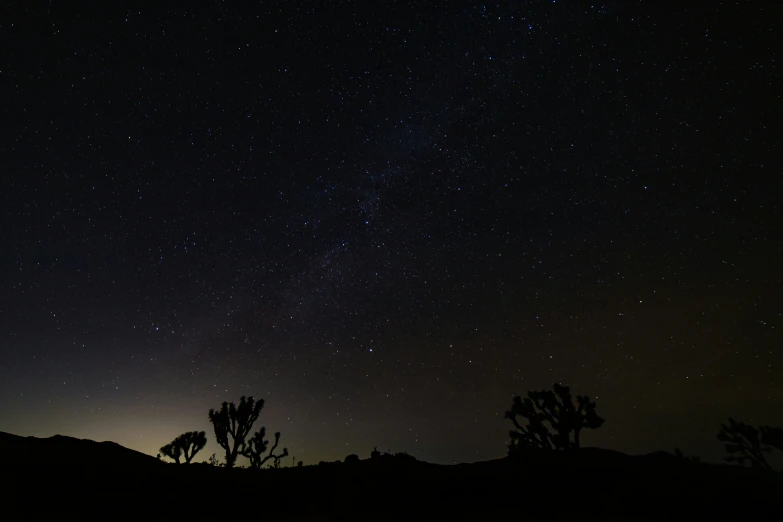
<point x="745" y="443"/>
<point x="256" y="446"/>
<point x="232" y="425"/>
<point x="552" y="417"/>
<point x="186" y="445"/>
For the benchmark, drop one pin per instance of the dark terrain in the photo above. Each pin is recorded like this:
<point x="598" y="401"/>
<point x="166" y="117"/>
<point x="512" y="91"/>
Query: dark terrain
<point x="63" y="475"/>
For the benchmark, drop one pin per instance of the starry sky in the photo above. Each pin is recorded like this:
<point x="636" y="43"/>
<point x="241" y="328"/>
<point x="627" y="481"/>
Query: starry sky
<point x="387" y="220"/>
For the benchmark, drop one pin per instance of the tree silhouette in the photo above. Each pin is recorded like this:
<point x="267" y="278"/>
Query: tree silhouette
<point x="191" y="442"/>
<point x="744" y="443"/>
<point x="772" y="437"/>
<point x="256" y="446"/>
<point x="551" y="418"/>
<point x="186" y="445"/>
<point x="232" y="425"/>
<point x="172" y="451"/>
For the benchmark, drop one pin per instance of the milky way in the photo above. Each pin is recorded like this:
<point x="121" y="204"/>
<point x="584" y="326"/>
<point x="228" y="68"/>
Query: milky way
<point x="387" y="221"/>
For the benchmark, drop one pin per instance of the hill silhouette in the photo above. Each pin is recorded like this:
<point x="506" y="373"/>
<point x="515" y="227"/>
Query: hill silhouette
<point x="75" y="475"/>
<point x="62" y="452"/>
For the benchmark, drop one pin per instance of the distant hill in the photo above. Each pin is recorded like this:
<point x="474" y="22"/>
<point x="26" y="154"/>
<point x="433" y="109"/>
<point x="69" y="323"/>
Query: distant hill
<point x="67" y="475"/>
<point x="61" y="452"/>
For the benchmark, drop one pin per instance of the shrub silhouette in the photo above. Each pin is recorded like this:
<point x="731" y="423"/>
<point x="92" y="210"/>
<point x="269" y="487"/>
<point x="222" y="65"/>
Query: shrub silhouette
<point x="404" y="456"/>
<point x="351" y="459"/>
<point x="213" y="461"/>
<point x="232" y="425"/>
<point x="256" y="446"/>
<point x="745" y="443"/>
<point x="388" y="458"/>
<point x="680" y="455"/>
<point x="186" y="445"/>
<point x="551" y="417"/>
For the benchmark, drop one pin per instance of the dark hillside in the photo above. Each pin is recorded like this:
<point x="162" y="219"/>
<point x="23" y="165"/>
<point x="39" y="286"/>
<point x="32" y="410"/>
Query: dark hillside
<point x="76" y="455"/>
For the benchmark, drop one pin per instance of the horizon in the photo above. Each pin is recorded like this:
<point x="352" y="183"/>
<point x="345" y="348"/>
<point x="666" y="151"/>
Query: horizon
<point x="203" y="455"/>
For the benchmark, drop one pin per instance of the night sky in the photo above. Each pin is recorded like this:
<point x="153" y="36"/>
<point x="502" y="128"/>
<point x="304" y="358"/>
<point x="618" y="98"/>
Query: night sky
<point x="387" y="219"/>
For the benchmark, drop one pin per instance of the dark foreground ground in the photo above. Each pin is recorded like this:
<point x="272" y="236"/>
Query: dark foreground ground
<point x="43" y="478"/>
